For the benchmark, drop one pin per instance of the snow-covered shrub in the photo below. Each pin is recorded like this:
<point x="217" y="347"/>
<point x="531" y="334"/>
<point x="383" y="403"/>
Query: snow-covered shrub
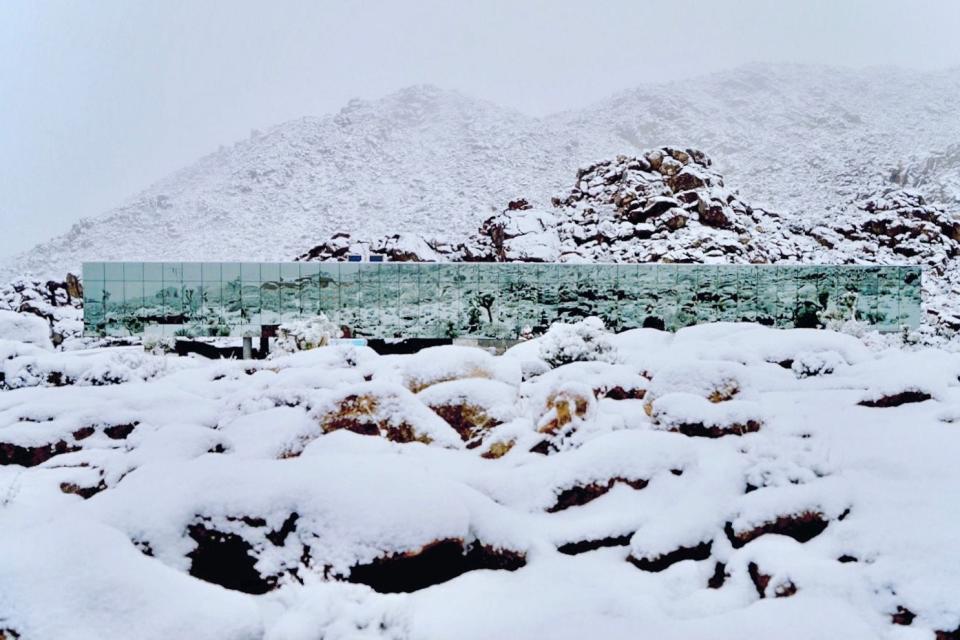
<point x="716" y="381"/>
<point x="694" y="415"/>
<point x="616" y="381"/>
<point x="106" y="367"/>
<point x="816" y="363"/>
<point x="300" y="335"/>
<point x="455" y="362"/>
<point x="582" y="341"/>
<point x="158" y="345"/>
<point x="472" y="406"/>
<point x="384" y="409"/>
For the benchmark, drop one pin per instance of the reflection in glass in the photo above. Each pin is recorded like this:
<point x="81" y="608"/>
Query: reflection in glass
<point x="501" y="300"/>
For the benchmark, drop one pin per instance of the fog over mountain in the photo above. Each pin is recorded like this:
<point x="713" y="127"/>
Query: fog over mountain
<point x="793" y="138"/>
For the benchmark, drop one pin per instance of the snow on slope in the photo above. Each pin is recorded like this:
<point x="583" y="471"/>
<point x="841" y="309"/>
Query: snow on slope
<point x="726" y="481"/>
<point x="936" y="173"/>
<point x="406" y="161"/>
<point x="796" y="139"/>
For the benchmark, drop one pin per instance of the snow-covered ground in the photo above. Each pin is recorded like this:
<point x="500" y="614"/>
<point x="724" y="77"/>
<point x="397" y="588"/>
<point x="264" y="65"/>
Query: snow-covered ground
<point x="726" y="481"/>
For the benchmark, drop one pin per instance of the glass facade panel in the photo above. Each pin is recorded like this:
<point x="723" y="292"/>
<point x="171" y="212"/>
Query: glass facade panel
<point x="153" y="272"/>
<point x="92" y="271"/>
<point x="494" y="300"/>
<point x="113" y="271"/>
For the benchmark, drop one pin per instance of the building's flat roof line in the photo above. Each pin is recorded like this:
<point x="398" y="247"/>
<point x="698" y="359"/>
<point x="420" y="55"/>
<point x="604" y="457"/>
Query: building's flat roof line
<point x="558" y="264"/>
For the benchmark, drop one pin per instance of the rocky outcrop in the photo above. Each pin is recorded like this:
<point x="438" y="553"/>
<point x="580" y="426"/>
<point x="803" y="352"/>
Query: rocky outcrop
<point x="670" y="205"/>
<point x="58" y="303"/>
<point x="665" y="205"/>
<point x="891" y="226"/>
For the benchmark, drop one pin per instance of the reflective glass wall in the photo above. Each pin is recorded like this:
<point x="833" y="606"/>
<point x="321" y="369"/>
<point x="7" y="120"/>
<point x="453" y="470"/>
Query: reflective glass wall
<point x="495" y="300"/>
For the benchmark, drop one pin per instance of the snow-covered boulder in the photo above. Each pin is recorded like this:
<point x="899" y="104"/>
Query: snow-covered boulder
<point x="27" y="328"/>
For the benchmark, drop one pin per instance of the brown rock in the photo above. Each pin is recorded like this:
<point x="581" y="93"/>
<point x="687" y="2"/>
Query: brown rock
<point x="32" y="456"/>
<point x="676" y="222"/>
<point x="903" y="616"/>
<point x="761" y="581"/>
<point x="583" y="546"/>
<point x="698" y="430"/>
<point x="686" y="180"/>
<point x="713" y="216"/>
<point x="498" y="449"/>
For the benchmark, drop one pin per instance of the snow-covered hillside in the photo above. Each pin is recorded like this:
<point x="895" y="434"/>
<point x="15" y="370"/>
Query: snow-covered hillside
<point x="726" y="481"/>
<point x="936" y="173"/>
<point x="670" y="205"/>
<point x="799" y="140"/>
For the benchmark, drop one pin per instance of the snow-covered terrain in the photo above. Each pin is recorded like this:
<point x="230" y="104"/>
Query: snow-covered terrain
<point x="726" y="481"/>
<point x="936" y="173"/>
<point x="723" y="481"/>
<point x="799" y="140"/>
<point x="671" y="205"/>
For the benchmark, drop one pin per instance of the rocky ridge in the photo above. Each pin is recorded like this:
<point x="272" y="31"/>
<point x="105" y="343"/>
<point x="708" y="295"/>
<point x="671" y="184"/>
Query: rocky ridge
<point x="671" y="205"/>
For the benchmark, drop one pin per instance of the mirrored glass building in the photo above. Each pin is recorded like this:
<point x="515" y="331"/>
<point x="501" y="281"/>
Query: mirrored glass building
<point x="483" y="300"/>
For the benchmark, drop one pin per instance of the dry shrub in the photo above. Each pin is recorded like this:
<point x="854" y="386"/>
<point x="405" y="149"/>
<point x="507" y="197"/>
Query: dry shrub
<point x="469" y="420"/>
<point x="419" y="383"/>
<point x="562" y="408"/>
<point x="360" y="413"/>
<point x="498" y="449"/>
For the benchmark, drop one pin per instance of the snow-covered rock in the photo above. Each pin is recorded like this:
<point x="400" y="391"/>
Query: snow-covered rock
<point x="26" y="328"/>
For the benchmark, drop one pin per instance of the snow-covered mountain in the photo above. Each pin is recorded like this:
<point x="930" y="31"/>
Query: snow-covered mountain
<point x="797" y="139"/>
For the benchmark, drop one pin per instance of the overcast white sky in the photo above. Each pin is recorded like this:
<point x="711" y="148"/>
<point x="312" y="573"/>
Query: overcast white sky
<point x="99" y="98"/>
